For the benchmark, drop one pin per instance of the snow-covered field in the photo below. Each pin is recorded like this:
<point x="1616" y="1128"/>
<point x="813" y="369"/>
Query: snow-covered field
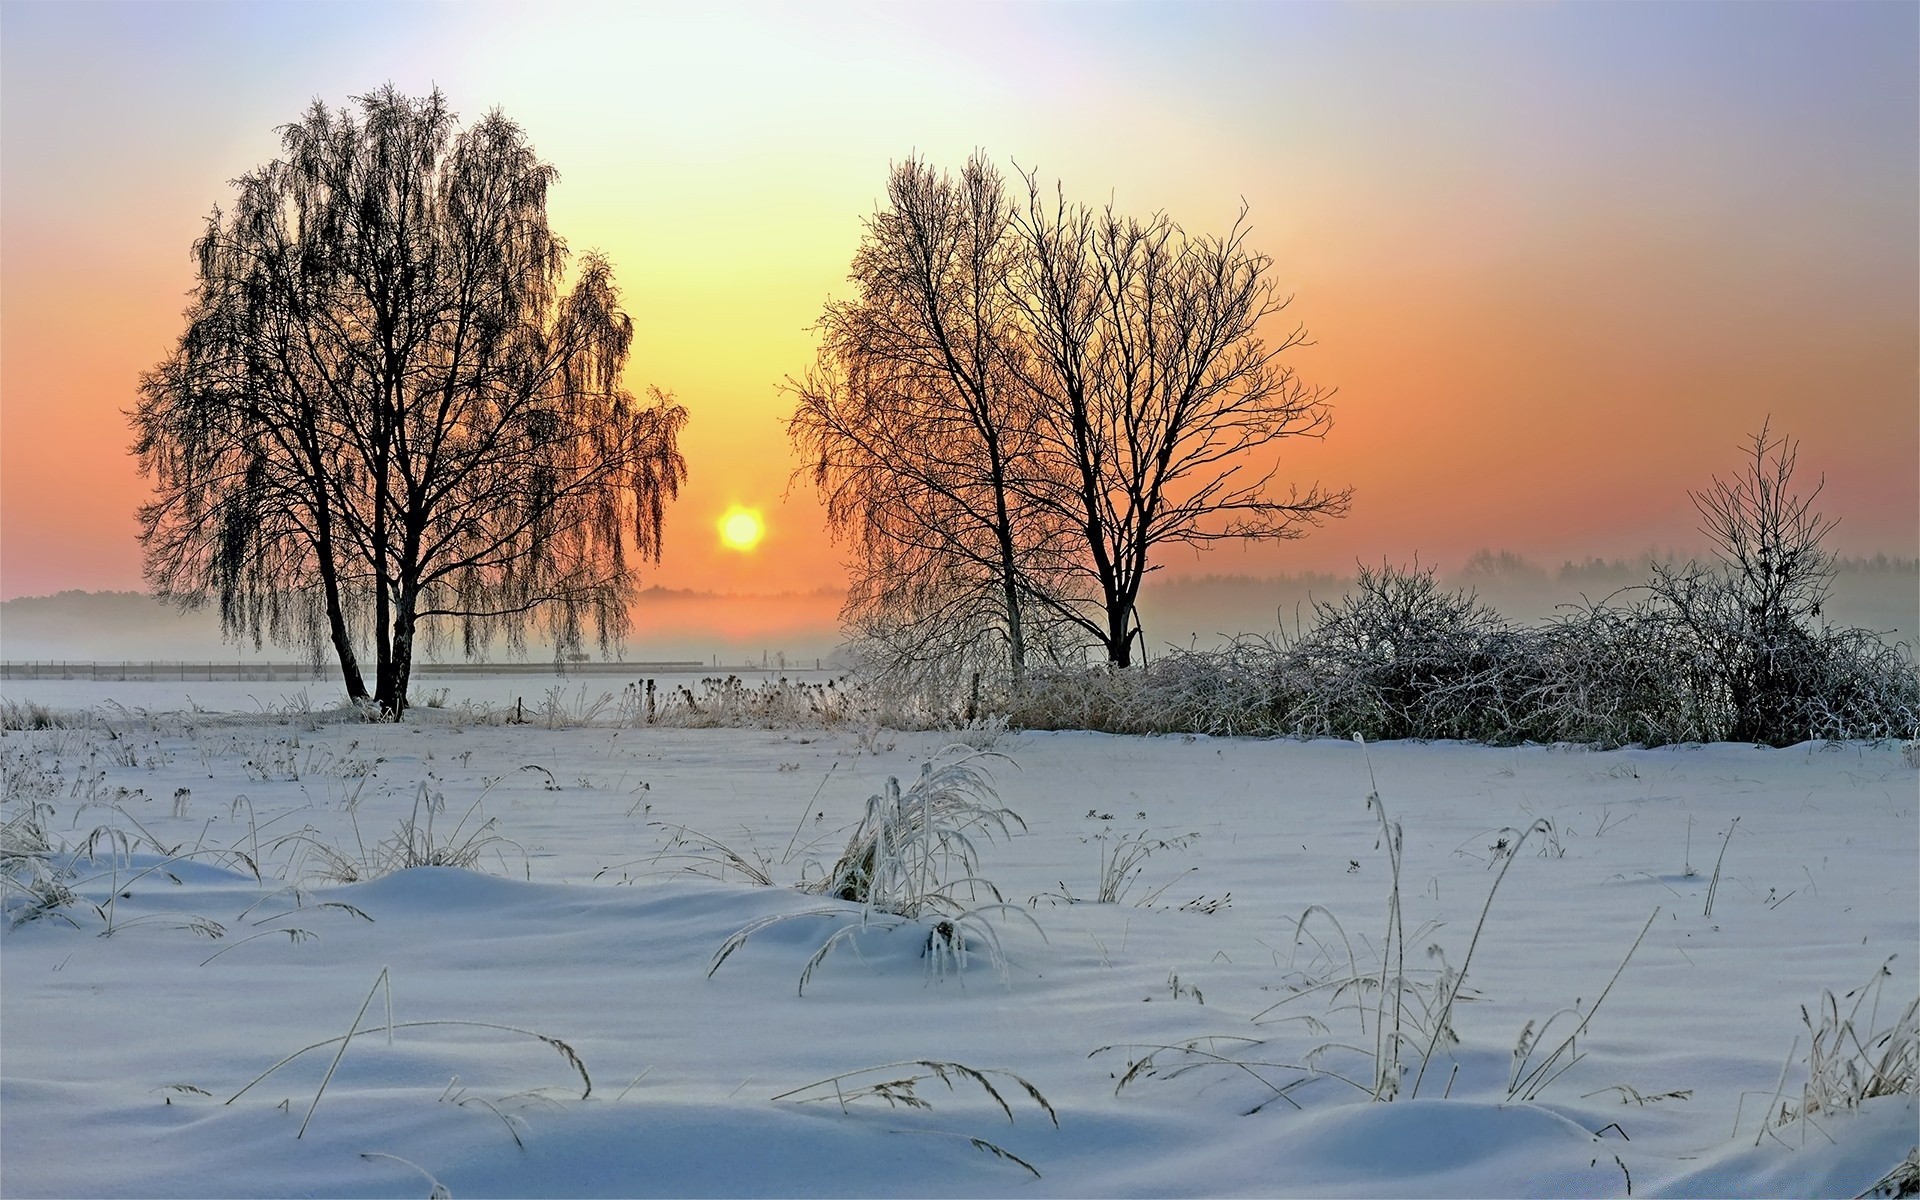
<point x="1232" y="987"/>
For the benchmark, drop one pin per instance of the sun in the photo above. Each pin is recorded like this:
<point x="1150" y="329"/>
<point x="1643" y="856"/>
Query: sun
<point x="741" y="529"/>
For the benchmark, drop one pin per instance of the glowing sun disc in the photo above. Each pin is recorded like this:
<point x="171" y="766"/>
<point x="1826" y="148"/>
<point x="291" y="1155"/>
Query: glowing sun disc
<point x="741" y="529"/>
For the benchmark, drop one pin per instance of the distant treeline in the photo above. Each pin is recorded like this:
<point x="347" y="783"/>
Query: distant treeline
<point x="1880" y="593"/>
<point x="1505" y="564"/>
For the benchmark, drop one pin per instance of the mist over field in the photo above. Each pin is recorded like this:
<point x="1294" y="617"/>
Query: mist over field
<point x="1881" y="594"/>
<point x="668" y="624"/>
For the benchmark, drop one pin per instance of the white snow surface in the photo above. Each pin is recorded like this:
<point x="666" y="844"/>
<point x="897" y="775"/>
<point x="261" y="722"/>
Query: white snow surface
<point x="121" y="1039"/>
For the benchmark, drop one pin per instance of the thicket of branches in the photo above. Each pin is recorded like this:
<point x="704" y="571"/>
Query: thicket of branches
<point x="1402" y="657"/>
<point x="1736" y="649"/>
<point x="1024" y="404"/>
<point x="388" y="416"/>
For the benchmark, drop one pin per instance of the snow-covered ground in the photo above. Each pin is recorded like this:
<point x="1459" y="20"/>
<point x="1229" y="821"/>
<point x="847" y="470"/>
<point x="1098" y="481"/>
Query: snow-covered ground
<point x="126" y="1026"/>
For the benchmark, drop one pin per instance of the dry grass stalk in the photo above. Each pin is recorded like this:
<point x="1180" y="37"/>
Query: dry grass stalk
<point x="1527" y="1084"/>
<point x="899" y="1090"/>
<point x="383" y="981"/>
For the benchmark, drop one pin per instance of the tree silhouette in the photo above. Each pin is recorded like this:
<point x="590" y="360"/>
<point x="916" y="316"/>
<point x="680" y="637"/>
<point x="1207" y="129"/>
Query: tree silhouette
<point x="1157" y="396"/>
<point x="386" y="411"/>
<point x="918" y="430"/>
<point x="1750" y="623"/>
<point x="1025" y="404"/>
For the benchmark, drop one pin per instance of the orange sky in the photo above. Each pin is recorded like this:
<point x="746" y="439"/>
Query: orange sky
<point x="1557" y="261"/>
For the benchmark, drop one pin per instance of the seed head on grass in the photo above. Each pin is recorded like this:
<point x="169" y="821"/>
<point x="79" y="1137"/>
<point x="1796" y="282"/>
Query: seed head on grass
<point x="899" y="1090"/>
<point x="702" y="854"/>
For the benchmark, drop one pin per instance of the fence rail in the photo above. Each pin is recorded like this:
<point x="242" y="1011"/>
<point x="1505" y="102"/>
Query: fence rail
<point x="182" y="671"/>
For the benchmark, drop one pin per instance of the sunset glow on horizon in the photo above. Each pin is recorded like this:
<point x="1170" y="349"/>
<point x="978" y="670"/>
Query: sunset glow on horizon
<point x="1558" y="262"/>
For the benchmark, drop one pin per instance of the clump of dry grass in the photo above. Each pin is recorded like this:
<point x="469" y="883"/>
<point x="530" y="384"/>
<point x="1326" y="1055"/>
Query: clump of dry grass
<point x="556" y="712"/>
<point x="1851" y="1057"/>
<point x="704" y="854"/>
<point x="1122" y="862"/>
<point x="41" y="875"/>
<point x="913" y="859"/>
<point x="1900" y="1183"/>
<point x="1527" y="1079"/>
<point x="914" y="852"/>
<point x="1404" y="1014"/>
<point x="30" y="715"/>
<point x="33" y="885"/>
<point x="415" y="842"/>
<point x="728" y="701"/>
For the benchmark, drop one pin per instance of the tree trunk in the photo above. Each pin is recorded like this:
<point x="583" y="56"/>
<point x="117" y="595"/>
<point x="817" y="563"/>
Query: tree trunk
<point x="1119" y="636"/>
<point x="383" y="691"/>
<point x="337" y="626"/>
<point x="401" y="669"/>
<point x="1009" y="582"/>
<point x="383" y="651"/>
<point x="1016" y="635"/>
<point x="336" y="616"/>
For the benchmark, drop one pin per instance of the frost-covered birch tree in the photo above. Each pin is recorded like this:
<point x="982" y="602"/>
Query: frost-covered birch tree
<point x="389" y="413"/>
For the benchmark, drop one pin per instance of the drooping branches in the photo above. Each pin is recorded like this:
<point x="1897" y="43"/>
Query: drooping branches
<point x="387" y="410"/>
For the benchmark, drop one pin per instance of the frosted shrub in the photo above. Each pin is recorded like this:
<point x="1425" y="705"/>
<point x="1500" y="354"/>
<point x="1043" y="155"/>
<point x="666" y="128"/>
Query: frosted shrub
<point x="1612" y="675"/>
<point x="1401" y="658"/>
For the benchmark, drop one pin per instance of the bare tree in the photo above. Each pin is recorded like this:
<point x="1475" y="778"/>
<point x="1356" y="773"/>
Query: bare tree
<point x="1750" y="621"/>
<point x="1159" y="397"/>
<point x="1024" y="405"/>
<point x="1768" y="536"/>
<point x="385" y="408"/>
<point x="917" y="430"/>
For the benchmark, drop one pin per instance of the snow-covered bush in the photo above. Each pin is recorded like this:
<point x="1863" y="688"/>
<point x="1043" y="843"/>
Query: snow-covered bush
<point x="1402" y="658"/>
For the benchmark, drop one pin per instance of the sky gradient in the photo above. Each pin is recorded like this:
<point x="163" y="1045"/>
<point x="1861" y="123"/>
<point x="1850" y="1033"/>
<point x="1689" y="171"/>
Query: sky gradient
<point x="1558" y="261"/>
